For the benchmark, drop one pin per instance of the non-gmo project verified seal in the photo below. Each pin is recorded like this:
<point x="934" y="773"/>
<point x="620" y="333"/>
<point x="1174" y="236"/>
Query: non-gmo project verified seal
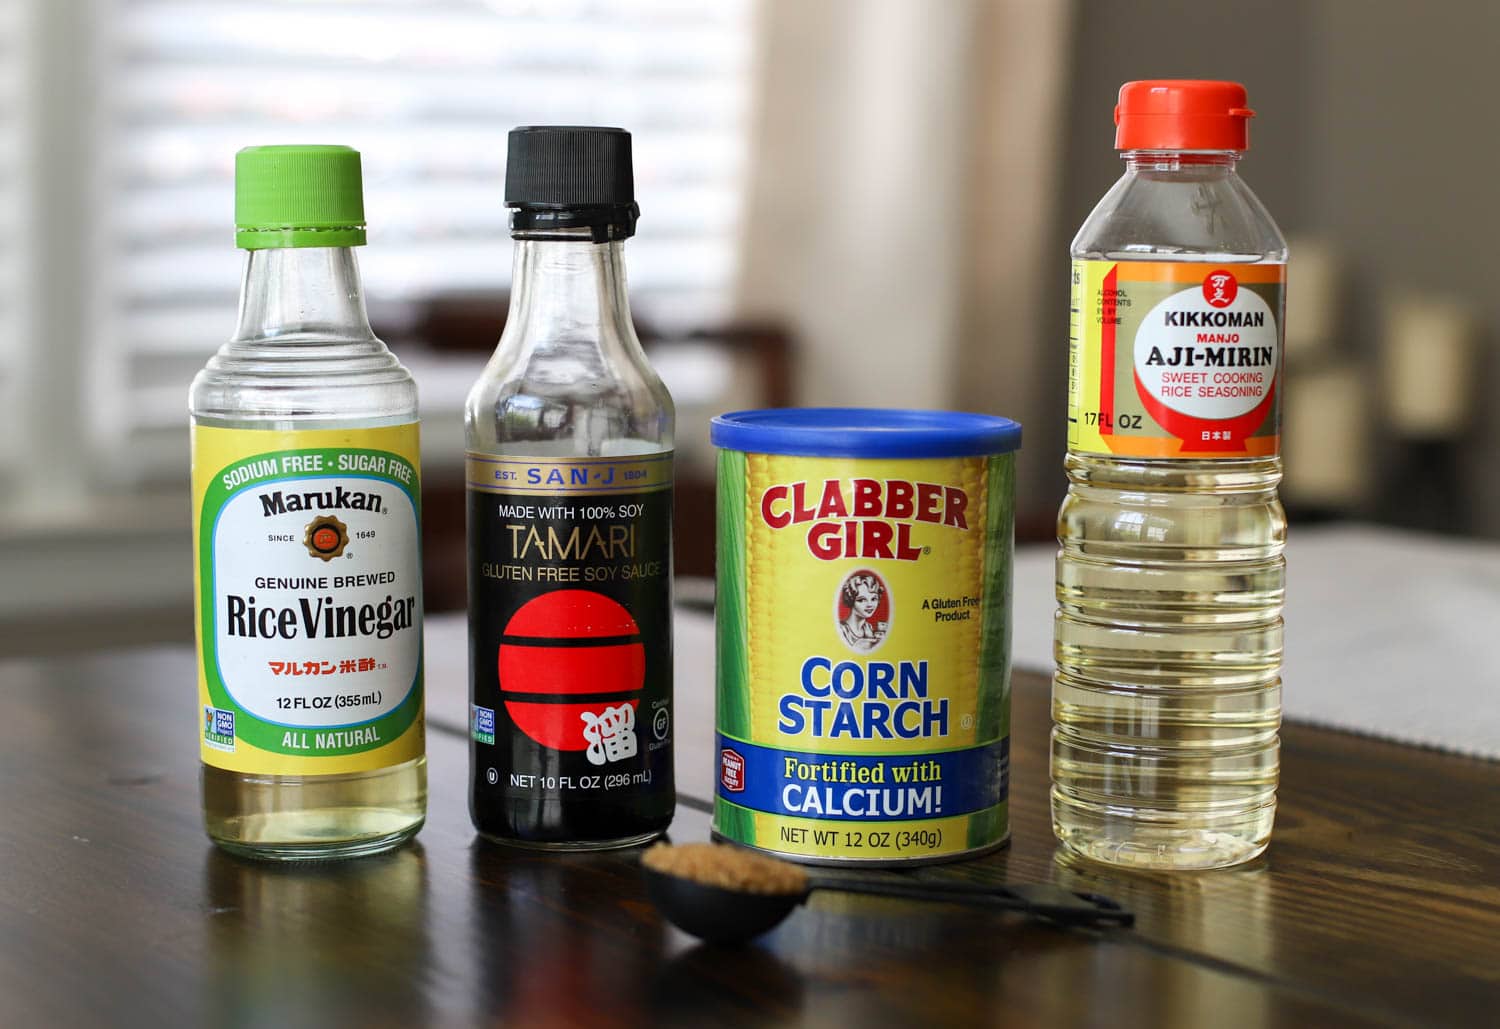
<point x="218" y="728"/>
<point x="482" y="723"/>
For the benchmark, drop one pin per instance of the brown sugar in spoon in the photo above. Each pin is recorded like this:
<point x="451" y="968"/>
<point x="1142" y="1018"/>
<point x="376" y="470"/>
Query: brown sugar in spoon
<point x="728" y="895"/>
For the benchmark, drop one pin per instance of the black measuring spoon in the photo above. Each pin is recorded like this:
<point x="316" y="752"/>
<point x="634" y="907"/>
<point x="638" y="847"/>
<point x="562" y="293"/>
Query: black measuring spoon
<point x="723" y="915"/>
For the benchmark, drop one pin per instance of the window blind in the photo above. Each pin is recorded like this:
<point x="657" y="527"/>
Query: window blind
<point x="426" y="90"/>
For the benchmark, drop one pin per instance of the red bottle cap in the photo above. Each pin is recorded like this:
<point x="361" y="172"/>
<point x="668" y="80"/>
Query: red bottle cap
<point x="1182" y="114"/>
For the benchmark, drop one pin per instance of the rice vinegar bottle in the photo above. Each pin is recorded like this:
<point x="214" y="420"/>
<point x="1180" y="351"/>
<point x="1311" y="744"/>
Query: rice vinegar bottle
<point x="306" y="515"/>
<point x="1167" y="697"/>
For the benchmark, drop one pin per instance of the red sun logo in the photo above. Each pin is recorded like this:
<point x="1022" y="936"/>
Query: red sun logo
<point x="564" y="653"/>
<point x="1220" y="288"/>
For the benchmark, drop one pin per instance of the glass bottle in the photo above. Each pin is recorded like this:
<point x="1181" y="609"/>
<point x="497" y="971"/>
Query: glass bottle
<point x="306" y="498"/>
<point x="569" y="436"/>
<point x="1167" y="695"/>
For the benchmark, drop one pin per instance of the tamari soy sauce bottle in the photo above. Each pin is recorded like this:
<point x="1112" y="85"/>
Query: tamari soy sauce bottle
<point x="569" y="477"/>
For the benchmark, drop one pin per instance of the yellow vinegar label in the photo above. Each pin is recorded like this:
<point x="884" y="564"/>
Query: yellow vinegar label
<point x="308" y="598"/>
<point x="863" y="654"/>
<point x="1175" y="359"/>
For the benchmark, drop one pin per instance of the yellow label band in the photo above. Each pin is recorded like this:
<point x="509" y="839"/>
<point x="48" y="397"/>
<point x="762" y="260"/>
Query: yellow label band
<point x="308" y="598"/>
<point x="1175" y="359"/>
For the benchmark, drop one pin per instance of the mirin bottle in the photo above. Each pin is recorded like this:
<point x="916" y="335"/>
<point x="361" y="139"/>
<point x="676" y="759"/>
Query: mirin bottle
<point x="1167" y="697"/>
<point x="306" y="511"/>
<point x="570" y="515"/>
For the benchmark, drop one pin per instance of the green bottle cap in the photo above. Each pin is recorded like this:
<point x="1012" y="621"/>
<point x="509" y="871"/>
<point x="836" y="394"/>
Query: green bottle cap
<point x="298" y="196"/>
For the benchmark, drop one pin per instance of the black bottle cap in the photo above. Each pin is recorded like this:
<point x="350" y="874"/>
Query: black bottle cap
<point x="571" y="176"/>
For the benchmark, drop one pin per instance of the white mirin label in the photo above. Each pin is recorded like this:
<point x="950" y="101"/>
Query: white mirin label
<point x="1210" y="359"/>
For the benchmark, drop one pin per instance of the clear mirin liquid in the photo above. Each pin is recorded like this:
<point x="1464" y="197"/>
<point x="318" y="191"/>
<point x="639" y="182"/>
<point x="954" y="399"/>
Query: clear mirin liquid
<point x="1167" y="698"/>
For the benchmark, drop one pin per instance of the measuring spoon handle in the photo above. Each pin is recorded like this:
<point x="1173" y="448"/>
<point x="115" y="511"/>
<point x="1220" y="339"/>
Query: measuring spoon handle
<point x="1042" y="900"/>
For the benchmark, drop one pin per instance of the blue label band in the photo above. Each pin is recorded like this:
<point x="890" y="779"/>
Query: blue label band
<point x="883" y="788"/>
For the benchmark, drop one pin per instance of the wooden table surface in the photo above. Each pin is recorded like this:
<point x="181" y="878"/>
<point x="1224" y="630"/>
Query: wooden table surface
<point x="1378" y="902"/>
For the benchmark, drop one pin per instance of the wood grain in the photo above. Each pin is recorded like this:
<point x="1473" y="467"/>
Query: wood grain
<point x="1377" y="902"/>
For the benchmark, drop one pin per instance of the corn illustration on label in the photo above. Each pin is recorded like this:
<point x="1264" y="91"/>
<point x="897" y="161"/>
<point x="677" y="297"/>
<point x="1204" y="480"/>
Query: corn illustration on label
<point x="309" y="598"/>
<point x="1175" y="359"/>
<point x="863" y="654"/>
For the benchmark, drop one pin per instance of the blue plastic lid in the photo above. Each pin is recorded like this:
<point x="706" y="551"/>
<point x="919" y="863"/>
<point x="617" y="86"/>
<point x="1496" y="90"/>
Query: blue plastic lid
<point x="864" y="432"/>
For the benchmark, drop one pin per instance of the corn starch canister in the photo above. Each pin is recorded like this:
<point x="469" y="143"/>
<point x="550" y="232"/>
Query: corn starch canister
<point x="864" y="567"/>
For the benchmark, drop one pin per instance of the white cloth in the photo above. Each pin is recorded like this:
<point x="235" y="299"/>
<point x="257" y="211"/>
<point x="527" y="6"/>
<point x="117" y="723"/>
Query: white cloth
<point x="1388" y="633"/>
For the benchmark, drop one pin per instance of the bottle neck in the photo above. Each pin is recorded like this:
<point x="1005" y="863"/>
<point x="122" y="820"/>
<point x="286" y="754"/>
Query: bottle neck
<point x="302" y="293"/>
<point x="567" y="289"/>
<point x="1207" y="161"/>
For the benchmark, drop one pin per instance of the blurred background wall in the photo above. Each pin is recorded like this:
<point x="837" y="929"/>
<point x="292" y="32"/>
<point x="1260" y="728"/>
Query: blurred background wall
<point x="847" y="202"/>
